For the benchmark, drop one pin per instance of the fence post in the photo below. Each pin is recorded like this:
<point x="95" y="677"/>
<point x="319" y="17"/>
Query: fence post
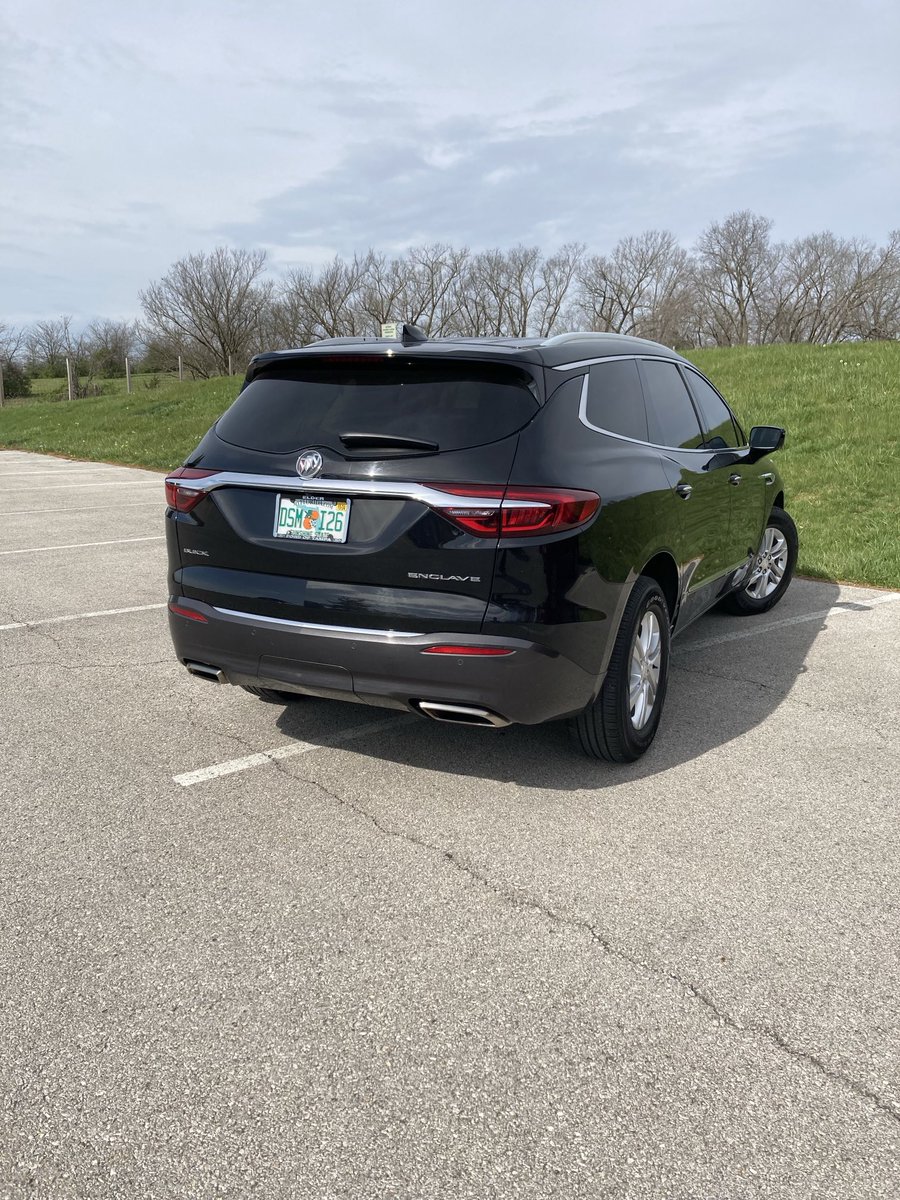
<point x="1" y="384"/>
<point x="180" y="370"/>
<point x="127" y="375"/>
<point x="69" y="378"/>
<point x="230" y="372"/>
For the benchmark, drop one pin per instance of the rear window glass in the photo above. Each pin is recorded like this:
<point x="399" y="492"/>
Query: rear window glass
<point x="452" y="404"/>
<point x="616" y="399"/>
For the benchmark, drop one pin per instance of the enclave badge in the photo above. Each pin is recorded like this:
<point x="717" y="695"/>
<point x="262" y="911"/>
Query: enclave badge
<point x="310" y="464"/>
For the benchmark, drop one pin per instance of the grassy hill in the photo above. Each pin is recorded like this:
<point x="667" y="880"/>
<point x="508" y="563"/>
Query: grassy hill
<point x="840" y="405"/>
<point x="150" y="428"/>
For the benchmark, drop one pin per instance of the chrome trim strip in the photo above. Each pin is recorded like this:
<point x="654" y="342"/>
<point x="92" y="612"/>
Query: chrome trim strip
<point x="385" y="634"/>
<point x="582" y="417"/>
<point x="592" y="362"/>
<point x="289" y="483"/>
<point x="386" y="488"/>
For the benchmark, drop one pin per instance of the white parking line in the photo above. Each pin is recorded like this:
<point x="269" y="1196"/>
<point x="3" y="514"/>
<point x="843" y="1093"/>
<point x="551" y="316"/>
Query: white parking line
<point x="836" y="610"/>
<point x="289" y="751"/>
<point x="17" y="473"/>
<point x="58" y="487"/>
<point x="23" y="512"/>
<point x="156" y="537"/>
<point x="103" y="612"/>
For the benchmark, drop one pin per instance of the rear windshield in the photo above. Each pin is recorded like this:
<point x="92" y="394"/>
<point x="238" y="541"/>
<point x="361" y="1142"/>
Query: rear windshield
<point x="452" y="405"/>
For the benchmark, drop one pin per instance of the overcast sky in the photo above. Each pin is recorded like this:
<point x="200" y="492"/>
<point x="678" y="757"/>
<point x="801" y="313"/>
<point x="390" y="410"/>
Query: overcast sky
<point x="133" y="134"/>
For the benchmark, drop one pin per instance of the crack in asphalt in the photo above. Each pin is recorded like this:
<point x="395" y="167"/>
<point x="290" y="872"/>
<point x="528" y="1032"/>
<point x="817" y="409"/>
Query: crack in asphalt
<point x="758" y="683"/>
<point x="42" y="631"/>
<point x="217" y="732"/>
<point x="520" y="898"/>
<point x="38" y="631"/>
<point x="785" y="696"/>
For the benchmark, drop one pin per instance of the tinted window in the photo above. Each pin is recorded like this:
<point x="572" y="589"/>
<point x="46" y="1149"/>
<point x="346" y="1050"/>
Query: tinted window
<point x="306" y="404"/>
<point x="670" y="413"/>
<point x="616" y="399"/>
<point x="715" y="419"/>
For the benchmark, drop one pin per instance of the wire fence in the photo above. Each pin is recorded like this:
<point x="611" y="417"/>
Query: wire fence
<point x="72" y="378"/>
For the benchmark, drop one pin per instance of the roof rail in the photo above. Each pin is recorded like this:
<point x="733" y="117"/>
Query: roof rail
<point x="559" y="339"/>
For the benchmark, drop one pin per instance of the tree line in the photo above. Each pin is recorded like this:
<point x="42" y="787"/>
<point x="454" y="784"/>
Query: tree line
<point x="735" y="287"/>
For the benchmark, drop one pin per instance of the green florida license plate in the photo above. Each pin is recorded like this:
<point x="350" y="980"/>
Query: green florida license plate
<point x="312" y="518"/>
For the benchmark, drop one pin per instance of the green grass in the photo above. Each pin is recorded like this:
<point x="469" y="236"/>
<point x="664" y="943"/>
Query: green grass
<point x="56" y="389"/>
<point x="841" y="463"/>
<point x="840" y="405"/>
<point x="149" y="428"/>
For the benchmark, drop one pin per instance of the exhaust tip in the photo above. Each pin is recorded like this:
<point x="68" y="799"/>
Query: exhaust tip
<point x="461" y="714"/>
<point x="205" y="671"/>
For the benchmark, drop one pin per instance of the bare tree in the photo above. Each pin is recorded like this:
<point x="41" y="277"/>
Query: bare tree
<point x="48" y="344"/>
<point x="517" y="287"/>
<point x="108" y="343"/>
<point x="12" y="343"/>
<point x="558" y="274"/>
<point x="737" y="288"/>
<point x="16" y="383"/>
<point x="876" y="310"/>
<point x="418" y="287"/>
<point x="643" y="288"/>
<point x="381" y="291"/>
<point x="825" y="289"/>
<point x="313" y="305"/>
<point x="513" y="293"/>
<point x="428" y="297"/>
<point x="207" y="307"/>
<point x="733" y="271"/>
<point x="478" y="310"/>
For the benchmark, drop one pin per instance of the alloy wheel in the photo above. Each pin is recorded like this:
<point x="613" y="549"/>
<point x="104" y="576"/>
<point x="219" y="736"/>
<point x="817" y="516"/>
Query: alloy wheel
<point x="646" y="660"/>
<point x="771" y="563"/>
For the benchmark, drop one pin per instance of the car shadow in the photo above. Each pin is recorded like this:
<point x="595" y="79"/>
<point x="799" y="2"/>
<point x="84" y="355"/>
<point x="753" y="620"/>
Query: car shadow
<point x="728" y="675"/>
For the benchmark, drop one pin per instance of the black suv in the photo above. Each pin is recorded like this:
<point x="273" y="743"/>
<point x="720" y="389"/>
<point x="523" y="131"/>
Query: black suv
<point x="482" y="531"/>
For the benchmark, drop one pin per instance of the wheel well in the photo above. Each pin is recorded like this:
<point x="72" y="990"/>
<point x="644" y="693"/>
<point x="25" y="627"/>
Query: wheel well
<point x="662" y="568"/>
<point x="778" y="501"/>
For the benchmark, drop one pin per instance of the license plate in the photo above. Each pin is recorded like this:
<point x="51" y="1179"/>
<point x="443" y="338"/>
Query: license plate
<point x="312" y="518"/>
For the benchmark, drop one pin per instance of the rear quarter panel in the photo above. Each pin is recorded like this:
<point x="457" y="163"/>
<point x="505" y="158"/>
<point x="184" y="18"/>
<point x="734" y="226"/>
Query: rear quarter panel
<point x="570" y="589"/>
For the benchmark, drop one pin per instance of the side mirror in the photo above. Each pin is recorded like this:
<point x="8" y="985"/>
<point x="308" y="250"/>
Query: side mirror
<point x="765" y="439"/>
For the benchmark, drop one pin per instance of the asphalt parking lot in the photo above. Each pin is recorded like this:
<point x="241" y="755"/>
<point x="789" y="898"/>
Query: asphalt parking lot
<point x="329" y="951"/>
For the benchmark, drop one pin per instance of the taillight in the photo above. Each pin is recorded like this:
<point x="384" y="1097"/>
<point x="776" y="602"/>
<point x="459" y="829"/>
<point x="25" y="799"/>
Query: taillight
<point x="515" y="511"/>
<point x="183" y="499"/>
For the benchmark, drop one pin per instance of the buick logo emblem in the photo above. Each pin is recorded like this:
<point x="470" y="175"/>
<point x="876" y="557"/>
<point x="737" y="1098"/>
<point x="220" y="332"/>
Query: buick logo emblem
<point x="310" y="464"/>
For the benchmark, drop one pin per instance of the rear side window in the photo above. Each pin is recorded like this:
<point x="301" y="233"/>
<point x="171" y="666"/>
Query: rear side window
<point x="718" y="427"/>
<point x="451" y="404"/>
<point x="616" y="399"/>
<point x="670" y="412"/>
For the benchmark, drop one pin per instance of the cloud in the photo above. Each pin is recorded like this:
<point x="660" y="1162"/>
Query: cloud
<point x="130" y="136"/>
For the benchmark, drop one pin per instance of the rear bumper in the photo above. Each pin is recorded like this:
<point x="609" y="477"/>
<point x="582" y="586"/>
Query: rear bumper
<point x="535" y="683"/>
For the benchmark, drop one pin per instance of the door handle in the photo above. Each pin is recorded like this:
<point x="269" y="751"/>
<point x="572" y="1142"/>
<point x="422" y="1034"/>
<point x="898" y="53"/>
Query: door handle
<point x="684" y="490"/>
<point x="769" y="477"/>
<point x="734" y="479"/>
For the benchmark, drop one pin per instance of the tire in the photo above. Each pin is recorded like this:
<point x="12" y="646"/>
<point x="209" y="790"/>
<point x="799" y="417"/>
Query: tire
<point x="772" y="571"/>
<point x="613" y="728"/>
<point x="272" y="695"/>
